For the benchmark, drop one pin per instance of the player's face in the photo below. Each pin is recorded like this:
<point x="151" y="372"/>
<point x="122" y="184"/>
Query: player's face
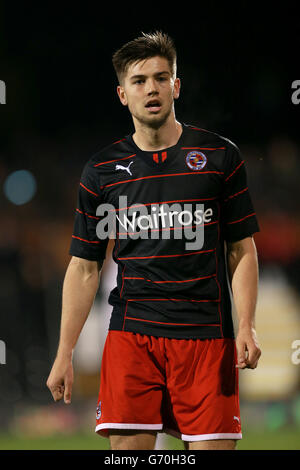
<point x="149" y="90"/>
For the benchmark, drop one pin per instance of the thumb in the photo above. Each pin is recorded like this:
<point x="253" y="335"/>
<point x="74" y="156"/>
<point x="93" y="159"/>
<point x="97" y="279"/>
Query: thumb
<point x="68" y="392"/>
<point x="241" y="355"/>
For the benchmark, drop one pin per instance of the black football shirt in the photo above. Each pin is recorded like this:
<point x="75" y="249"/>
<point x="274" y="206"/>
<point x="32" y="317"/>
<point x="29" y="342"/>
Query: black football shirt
<point x="167" y="285"/>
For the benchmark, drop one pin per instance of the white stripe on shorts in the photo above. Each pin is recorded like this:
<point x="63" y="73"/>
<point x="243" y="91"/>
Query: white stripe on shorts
<point x="128" y="426"/>
<point x="208" y="437"/>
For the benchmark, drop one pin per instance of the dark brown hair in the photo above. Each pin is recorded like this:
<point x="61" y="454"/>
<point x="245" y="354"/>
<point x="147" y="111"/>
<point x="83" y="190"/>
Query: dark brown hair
<point x="144" y="47"/>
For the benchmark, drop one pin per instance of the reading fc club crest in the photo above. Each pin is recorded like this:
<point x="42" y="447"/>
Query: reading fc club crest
<point x="196" y="160"/>
<point x="98" y="411"/>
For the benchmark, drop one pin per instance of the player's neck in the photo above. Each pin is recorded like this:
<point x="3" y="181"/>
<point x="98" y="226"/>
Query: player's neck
<point x="149" y="139"/>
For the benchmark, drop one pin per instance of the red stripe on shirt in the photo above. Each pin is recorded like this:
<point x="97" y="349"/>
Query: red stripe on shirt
<point x="240" y="164"/>
<point x="164" y="202"/>
<point x="118" y="141"/>
<point x="88" y="215"/>
<point x="83" y="240"/>
<point x="240" y="220"/>
<point x="166" y="256"/>
<point x="112" y="161"/>
<point x="122" y="281"/>
<point x="236" y="194"/>
<point x="178" y="324"/>
<point x="198" y="129"/>
<point x="87" y="189"/>
<point x="162" y="282"/>
<point x="162" y="176"/>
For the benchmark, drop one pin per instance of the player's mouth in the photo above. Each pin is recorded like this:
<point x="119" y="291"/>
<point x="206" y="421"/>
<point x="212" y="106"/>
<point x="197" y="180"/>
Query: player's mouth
<point x="153" y="106"/>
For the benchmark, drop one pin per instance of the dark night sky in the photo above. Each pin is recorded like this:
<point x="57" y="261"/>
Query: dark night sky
<point x="236" y="65"/>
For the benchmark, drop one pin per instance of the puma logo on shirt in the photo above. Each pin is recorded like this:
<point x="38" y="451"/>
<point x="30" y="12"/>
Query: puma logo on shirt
<point x="121" y="167"/>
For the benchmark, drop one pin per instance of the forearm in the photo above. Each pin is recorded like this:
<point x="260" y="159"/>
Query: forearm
<point x="243" y="275"/>
<point x="79" y="290"/>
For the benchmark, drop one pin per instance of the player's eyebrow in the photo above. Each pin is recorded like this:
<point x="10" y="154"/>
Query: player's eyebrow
<point x="137" y="77"/>
<point x="141" y="76"/>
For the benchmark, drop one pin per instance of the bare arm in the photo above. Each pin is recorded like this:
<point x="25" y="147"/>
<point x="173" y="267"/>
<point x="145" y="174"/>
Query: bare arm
<point x="79" y="290"/>
<point x="243" y="276"/>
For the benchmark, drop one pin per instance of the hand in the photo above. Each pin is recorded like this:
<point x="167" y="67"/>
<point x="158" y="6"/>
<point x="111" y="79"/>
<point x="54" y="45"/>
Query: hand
<point x="60" y="380"/>
<point x="248" y="351"/>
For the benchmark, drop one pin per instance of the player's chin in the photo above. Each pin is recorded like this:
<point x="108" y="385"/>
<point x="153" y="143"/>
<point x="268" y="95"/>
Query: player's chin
<point x="156" y="120"/>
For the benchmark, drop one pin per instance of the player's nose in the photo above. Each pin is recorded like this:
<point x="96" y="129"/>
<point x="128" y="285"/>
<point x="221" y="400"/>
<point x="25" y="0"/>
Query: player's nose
<point x="151" y="87"/>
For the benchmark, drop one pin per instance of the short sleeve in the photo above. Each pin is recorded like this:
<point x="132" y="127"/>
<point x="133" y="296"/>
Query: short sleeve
<point x="85" y="243"/>
<point x="238" y="217"/>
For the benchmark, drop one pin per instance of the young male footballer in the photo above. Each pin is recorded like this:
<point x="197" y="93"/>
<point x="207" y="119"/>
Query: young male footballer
<point x="184" y="225"/>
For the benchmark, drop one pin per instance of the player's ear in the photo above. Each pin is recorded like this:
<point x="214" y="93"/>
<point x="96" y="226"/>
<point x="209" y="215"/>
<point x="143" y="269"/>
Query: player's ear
<point x="176" y="91"/>
<point x="122" y="95"/>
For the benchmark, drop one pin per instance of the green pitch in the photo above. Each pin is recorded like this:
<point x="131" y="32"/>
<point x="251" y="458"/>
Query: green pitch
<point x="288" y="439"/>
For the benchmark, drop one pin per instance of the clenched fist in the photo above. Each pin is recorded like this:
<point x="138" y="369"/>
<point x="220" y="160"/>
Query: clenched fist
<point x="248" y="350"/>
<point x="60" y="380"/>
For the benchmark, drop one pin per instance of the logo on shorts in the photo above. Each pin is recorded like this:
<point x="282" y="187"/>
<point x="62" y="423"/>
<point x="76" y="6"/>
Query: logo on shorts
<point x="196" y="160"/>
<point x="98" y="411"/>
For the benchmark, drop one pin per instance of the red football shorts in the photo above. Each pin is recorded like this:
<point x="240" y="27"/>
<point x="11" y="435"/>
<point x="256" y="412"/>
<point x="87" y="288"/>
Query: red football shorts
<point x="184" y="387"/>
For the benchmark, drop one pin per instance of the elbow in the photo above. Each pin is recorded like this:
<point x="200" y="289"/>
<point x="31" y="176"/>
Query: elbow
<point x="237" y="251"/>
<point x="88" y="270"/>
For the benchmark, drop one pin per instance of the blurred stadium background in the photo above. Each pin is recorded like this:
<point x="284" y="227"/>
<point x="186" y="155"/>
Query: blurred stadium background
<point x="237" y="67"/>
